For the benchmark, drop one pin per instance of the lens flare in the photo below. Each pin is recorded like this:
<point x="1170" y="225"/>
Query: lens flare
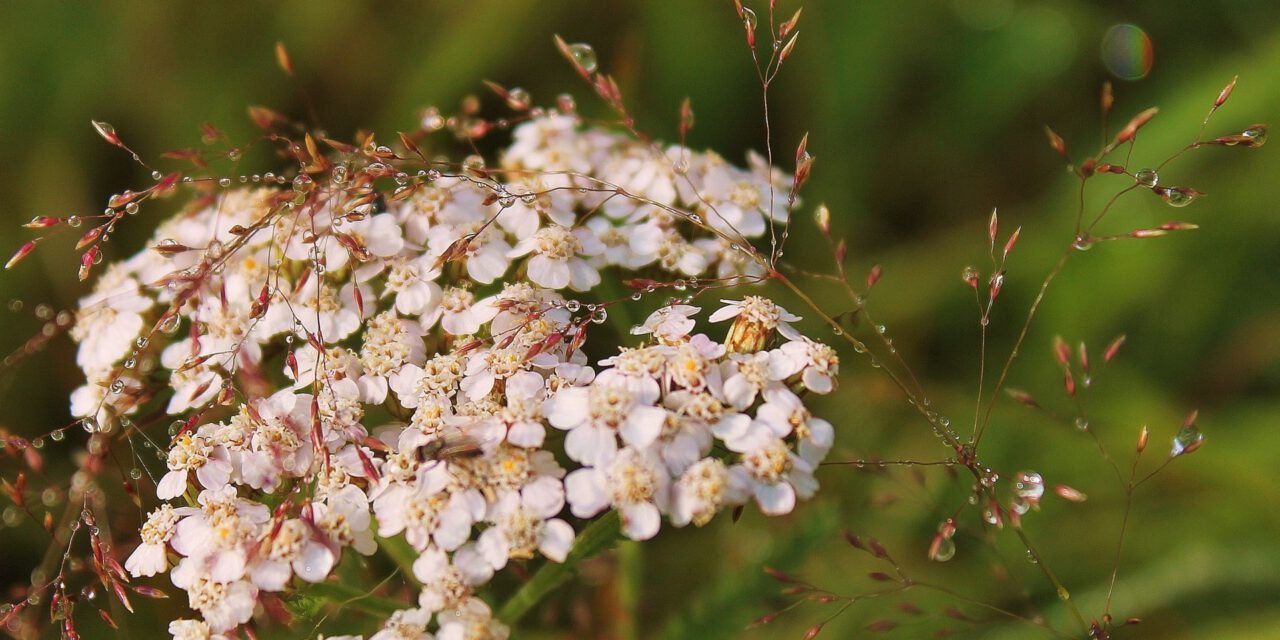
<point x="1127" y="52"/>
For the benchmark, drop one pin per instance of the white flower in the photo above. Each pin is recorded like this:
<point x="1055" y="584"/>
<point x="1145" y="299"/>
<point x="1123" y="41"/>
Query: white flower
<point x="224" y="605"/>
<point x="405" y="624"/>
<point x="755" y="320"/>
<point x="784" y="414"/>
<point x="699" y="492"/>
<point x="555" y="263"/>
<point x="289" y="549"/>
<point x="473" y="620"/>
<point x="462" y="315"/>
<point x="633" y="482"/>
<point x="524" y="522"/>
<point x="193" y="454"/>
<point x="747" y="374"/>
<point x="192" y="630"/>
<point x="598" y="414"/>
<point x="109" y="320"/>
<point x="669" y="324"/>
<point x="817" y="363"/>
<point x="768" y="470"/>
<point x="149" y="558"/>
<point x="412" y="282"/>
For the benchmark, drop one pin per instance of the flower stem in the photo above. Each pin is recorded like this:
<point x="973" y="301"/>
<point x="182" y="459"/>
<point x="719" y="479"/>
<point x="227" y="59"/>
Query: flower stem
<point x="598" y="536"/>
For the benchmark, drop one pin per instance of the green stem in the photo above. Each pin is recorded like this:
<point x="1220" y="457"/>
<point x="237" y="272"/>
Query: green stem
<point x="402" y="554"/>
<point x="346" y="597"/>
<point x="630" y="576"/>
<point x="598" y="536"/>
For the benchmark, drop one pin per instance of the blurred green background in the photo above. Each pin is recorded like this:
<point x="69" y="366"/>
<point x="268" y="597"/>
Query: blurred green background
<point x="923" y="116"/>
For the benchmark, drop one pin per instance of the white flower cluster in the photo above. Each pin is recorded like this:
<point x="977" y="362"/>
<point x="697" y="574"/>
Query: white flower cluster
<point x="357" y="366"/>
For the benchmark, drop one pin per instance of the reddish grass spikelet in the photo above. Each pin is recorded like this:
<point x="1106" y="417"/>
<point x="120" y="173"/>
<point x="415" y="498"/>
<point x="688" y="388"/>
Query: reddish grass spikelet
<point x="1056" y="142"/>
<point x="1113" y="348"/>
<point x="1130" y="130"/>
<point x="881" y="626"/>
<point x="21" y="253"/>
<point x="813" y="631"/>
<point x="283" y="59"/>
<point x="874" y="276"/>
<point x="1069" y="494"/>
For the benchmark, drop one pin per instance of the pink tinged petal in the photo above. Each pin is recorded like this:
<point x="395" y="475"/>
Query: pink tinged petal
<point x="486" y="266"/>
<point x="271" y="575"/>
<point x="214" y="474"/>
<point x="805" y="484"/>
<point x="473" y="566"/>
<point x="567" y="409"/>
<point x="776" y="416"/>
<point x="726" y="312"/>
<point x="775" y="499"/>
<point x="641" y="521"/>
<point x="552" y="274"/>
<point x="739" y="391"/>
<point x="585" y="489"/>
<point x="228" y="565"/>
<point x="373" y="389"/>
<point x="314" y="563"/>
<point x="789" y="332"/>
<point x="494" y="547"/>
<point x="582" y="276"/>
<point x="527" y="434"/>
<point x="478" y="386"/>
<point x="543" y="497"/>
<point x="643" y="425"/>
<point x="146" y="560"/>
<point x="556" y="540"/>
<point x="429" y="565"/>
<point x="591" y="445"/>
<point x="817" y="381"/>
<point x="172" y="485"/>
<point x="731" y="427"/>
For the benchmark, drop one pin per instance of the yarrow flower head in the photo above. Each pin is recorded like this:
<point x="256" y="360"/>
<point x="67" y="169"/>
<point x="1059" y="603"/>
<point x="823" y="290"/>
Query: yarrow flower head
<point x="349" y="366"/>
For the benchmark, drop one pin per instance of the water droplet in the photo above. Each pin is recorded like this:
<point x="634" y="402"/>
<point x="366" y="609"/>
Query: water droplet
<point x="1028" y="485"/>
<point x="131" y="208"/>
<point x="302" y="183"/>
<point x="599" y="315"/>
<point x="573" y="306"/>
<point x="57" y="435"/>
<point x="1031" y="557"/>
<point x="74" y="221"/>
<point x="174" y="427"/>
<point x="1147" y="178"/>
<point x="1178" y="196"/>
<point x="584" y="56"/>
<point x="38" y="443"/>
<point x="946" y="550"/>
<point x="224" y="182"/>
<point x="1081" y="424"/>
<point x="135" y="473"/>
<point x="1082" y="243"/>
<point x="749" y="19"/>
<point x="1189" y="439"/>
<point x="1257" y="135"/>
<point x="636" y="296"/>
<point x="518" y="99"/>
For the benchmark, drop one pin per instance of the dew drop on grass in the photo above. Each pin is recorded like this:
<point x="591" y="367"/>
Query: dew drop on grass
<point x="1189" y="439"/>
<point x="1257" y="134"/>
<point x="585" y="56"/>
<point x="946" y="550"/>
<point x="1147" y="178"/>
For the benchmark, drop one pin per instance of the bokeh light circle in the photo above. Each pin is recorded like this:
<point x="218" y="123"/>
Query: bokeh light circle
<point x="1127" y="52"/>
